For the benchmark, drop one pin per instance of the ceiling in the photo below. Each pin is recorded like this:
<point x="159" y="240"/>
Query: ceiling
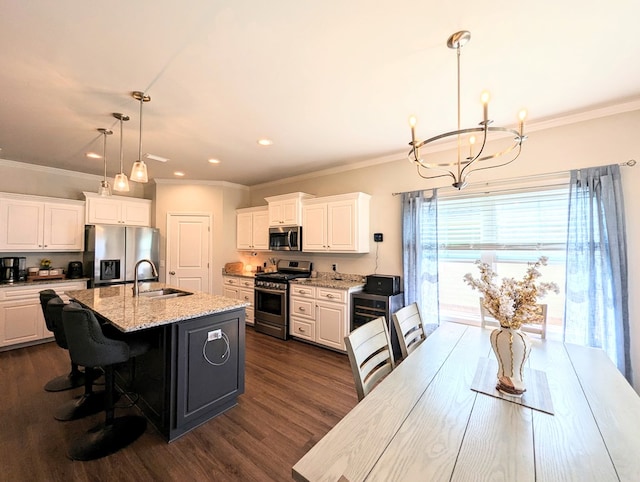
<point x="331" y="82"/>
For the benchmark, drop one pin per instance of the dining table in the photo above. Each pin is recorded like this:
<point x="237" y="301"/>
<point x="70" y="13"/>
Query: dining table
<point x="426" y="421"/>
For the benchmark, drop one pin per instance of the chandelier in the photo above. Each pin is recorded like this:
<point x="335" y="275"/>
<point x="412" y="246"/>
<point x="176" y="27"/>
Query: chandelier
<point x="478" y="160"/>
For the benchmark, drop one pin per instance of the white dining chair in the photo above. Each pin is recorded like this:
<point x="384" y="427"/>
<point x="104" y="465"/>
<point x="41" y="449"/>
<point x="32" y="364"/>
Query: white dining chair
<point x="409" y="328"/>
<point x="370" y="355"/>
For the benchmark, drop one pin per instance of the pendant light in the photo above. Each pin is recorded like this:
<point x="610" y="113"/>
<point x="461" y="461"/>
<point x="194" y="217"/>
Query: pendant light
<point x="105" y="187"/>
<point x="120" y="182"/>
<point x="139" y="169"/>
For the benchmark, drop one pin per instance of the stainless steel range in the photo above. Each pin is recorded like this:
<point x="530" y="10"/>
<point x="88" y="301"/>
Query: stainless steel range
<point x="272" y="297"/>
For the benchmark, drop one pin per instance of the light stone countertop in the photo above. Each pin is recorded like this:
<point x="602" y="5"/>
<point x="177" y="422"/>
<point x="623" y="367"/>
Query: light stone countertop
<point x="329" y="283"/>
<point x="118" y="305"/>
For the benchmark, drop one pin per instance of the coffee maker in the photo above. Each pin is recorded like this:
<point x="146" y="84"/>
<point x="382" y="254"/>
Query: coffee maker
<point x="13" y="269"/>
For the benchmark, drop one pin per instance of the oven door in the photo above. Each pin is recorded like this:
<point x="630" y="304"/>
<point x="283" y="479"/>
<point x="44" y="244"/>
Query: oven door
<point x="271" y="312"/>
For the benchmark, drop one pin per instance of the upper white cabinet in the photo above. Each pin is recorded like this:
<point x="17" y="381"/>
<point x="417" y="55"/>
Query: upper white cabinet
<point x="35" y="223"/>
<point x="126" y="211"/>
<point x="252" y="228"/>
<point x="286" y="209"/>
<point x="338" y="224"/>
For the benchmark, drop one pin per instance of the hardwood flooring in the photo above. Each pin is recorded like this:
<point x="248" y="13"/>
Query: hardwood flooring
<point x="294" y="394"/>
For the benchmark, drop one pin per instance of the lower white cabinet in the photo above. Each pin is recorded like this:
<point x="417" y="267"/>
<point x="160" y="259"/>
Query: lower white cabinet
<point x="240" y="288"/>
<point x="320" y="315"/>
<point x="21" y="318"/>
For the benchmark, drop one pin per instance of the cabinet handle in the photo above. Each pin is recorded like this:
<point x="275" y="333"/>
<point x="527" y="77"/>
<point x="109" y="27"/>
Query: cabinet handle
<point x="172" y="273"/>
<point x="301" y="329"/>
<point x="330" y="295"/>
<point x="300" y="308"/>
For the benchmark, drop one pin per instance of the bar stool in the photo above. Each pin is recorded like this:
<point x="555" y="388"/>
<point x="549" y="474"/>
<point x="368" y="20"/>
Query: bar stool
<point x="75" y="378"/>
<point x="89" y="347"/>
<point x="90" y="402"/>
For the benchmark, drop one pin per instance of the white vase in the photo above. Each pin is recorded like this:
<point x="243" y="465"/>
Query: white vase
<point x="512" y="348"/>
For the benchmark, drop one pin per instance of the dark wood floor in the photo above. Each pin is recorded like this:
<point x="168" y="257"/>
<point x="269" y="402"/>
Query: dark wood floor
<point x="294" y="394"/>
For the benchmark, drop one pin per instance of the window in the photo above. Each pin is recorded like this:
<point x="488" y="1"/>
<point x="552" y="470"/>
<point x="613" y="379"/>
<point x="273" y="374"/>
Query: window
<point x="506" y="230"/>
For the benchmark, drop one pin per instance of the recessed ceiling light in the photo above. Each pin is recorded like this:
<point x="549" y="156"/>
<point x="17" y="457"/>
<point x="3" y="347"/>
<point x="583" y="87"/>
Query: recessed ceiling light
<point x="214" y="161"/>
<point x="265" y="142"/>
<point x="178" y="173"/>
<point x="93" y="155"/>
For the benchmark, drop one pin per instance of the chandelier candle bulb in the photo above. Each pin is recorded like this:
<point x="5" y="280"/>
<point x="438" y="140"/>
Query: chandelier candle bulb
<point x="472" y="141"/>
<point x="522" y="116"/>
<point x="412" y="123"/>
<point x="485" y="106"/>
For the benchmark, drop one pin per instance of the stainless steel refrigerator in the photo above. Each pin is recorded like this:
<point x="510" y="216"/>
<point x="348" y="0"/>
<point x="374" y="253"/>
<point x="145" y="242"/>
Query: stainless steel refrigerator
<point x="111" y="253"/>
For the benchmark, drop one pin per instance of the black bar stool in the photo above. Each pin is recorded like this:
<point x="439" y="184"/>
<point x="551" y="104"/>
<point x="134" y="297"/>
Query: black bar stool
<point x="90" y="402"/>
<point x="89" y="347"/>
<point x="75" y="378"/>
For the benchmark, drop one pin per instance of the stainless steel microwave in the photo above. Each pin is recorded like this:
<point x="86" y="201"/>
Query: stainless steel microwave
<point x="285" y="238"/>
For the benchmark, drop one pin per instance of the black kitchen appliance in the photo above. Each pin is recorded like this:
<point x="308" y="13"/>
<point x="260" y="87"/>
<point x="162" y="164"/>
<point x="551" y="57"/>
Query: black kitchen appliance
<point x="13" y="269"/>
<point x="74" y="270"/>
<point x="271" y="303"/>
<point x="381" y="284"/>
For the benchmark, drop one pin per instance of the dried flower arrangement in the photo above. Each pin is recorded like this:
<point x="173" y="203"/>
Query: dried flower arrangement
<point x="513" y="303"/>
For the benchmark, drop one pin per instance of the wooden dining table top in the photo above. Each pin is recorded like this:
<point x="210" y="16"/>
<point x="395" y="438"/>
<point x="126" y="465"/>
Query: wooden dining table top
<point x="423" y="422"/>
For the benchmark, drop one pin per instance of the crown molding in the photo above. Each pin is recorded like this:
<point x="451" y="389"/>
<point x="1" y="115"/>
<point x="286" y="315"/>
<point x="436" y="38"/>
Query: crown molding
<point x="224" y="184"/>
<point x="48" y="170"/>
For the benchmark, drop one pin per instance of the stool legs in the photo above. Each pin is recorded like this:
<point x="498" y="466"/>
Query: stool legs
<point x="74" y="379"/>
<point x="88" y="403"/>
<point x="112" y="435"/>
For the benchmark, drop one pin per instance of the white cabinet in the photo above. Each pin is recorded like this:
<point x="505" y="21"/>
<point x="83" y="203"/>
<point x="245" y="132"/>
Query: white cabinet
<point x="121" y="210"/>
<point x="35" y="223"/>
<point x="252" y="228"/>
<point x="286" y="209"/>
<point x="320" y="315"/>
<point x="240" y="288"/>
<point x="21" y="318"/>
<point x="338" y="224"/>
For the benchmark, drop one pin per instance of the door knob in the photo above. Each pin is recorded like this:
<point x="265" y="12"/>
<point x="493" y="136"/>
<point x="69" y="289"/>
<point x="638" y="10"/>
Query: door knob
<point x="172" y="273"/>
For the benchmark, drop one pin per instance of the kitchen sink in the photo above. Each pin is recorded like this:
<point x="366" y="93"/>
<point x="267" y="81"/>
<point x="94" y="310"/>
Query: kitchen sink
<point x="164" y="293"/>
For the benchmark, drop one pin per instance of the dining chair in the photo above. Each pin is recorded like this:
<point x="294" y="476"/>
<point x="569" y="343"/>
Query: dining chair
<point x="370" y="355"/>
<point x="536" y="328"/>
<point x="409" y="328"/>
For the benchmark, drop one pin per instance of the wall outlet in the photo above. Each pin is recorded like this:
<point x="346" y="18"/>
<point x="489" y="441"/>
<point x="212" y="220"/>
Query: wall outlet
<point x="334" y="267"/>
<point x="214" y="335"/>
<point x="377" y="237"/>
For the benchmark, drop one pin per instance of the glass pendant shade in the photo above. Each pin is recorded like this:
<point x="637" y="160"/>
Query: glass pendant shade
<point x="139" y="169"/>
<point x="139" y="172"/>
<point x="120" y="182"/>
<point x="105" y="187"/>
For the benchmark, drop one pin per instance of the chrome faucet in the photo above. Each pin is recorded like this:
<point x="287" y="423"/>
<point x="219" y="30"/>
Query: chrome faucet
<point x="154" y="271"/>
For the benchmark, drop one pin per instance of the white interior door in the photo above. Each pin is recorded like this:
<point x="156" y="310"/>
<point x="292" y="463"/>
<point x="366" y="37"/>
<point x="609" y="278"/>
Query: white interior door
<point x="188" y="248"/>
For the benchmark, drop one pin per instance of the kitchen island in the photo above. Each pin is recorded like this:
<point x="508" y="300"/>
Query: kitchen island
<point x="195" y="368"/>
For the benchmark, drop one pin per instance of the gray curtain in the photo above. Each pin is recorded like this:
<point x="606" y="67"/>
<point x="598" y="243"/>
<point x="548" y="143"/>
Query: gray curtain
<point x="420" y="252"/>
<point x="596" y="308"/>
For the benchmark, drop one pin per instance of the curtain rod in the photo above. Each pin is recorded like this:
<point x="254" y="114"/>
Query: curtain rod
<point x="629" y="163"/>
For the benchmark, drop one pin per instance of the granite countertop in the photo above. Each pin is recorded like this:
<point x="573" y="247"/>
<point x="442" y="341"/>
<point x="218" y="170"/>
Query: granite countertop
<point x="241" y="275"/>
<point x="118" y="305"/>
<point x="343" y="284"/>
<point x="42" y="281"/>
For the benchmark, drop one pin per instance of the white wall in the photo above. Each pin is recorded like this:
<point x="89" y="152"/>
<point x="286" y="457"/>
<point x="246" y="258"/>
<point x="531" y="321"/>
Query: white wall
<point x="596" y="142"/>
<point x="218" y="199"/>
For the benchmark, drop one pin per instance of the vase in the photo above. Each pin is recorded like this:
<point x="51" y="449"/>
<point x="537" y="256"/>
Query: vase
<point x="512" y="348"/>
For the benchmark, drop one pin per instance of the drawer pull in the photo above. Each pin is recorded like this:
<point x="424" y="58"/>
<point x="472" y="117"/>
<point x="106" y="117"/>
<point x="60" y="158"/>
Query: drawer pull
<point x="301" y="329"/>
<point x="301" y="308"/>
<point x="330" y="295"/>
